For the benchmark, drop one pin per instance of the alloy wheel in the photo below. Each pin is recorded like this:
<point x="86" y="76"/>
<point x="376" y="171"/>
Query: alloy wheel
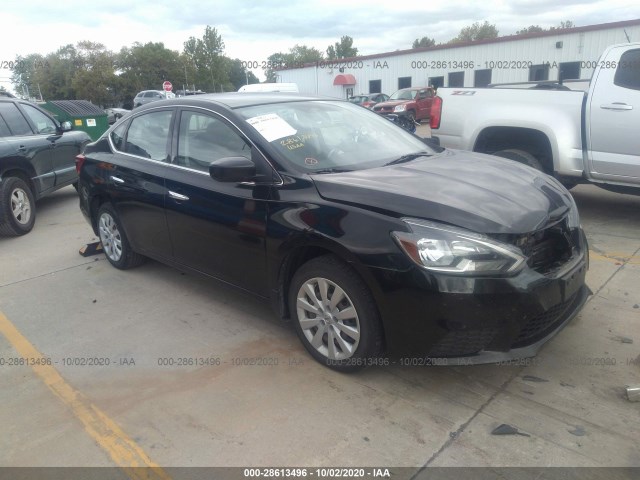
<point x="328" y="318"/>
<point x="20" y="206"/>
<point x="110" y="237"/>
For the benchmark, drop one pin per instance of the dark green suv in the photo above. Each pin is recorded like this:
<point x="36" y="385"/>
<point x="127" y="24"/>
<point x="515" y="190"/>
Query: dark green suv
<point x="37" y="157"/>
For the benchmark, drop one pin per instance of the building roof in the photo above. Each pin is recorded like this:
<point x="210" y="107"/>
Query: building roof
<point x="507" y="38"/>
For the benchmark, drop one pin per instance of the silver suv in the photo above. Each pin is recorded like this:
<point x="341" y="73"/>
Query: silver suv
<point x="148" y="96"/>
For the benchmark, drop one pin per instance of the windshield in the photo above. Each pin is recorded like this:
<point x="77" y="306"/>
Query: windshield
<point x="404" y="95"/>
<point x="325" y="136"/>
<point x="358" y="99"/>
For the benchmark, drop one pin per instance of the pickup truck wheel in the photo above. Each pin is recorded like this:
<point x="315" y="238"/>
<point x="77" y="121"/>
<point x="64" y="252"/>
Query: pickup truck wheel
<point x="520" y="156"/>
<point x="19" y="207"/>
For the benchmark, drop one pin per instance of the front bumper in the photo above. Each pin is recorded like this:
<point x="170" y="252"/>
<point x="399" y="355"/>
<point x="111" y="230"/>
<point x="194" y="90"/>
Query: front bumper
<point x="463" y="321"/>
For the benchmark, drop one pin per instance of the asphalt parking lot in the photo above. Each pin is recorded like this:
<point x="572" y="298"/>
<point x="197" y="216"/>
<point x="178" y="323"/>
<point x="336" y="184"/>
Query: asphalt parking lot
<point x="154" y="367"/>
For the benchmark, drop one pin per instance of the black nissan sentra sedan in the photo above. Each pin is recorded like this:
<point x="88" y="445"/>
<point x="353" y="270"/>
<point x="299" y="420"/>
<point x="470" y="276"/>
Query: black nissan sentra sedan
<point x="375" y="244"/>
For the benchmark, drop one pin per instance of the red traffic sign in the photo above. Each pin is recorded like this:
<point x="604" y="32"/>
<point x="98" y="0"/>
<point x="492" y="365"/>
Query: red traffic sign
<point x="167" y="86"/>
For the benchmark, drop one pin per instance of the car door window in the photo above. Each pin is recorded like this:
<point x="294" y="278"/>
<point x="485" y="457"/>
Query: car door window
<point x="628" y="71"/>
<point x="4" y="128"/>
<point x="117" y="137"/>
<point x="148" y="135"/>
<point x="204" y="138"/>
<point x="43" y="123"/>
<point x="14" y="118"/>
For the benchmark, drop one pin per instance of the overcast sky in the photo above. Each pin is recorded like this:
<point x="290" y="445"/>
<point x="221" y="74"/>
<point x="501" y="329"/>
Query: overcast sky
<point x="252" y="30"/>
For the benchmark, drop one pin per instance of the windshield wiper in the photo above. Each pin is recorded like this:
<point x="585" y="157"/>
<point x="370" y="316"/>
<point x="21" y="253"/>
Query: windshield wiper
<point x="330" y="170"/>
<point x="408" y="158"/>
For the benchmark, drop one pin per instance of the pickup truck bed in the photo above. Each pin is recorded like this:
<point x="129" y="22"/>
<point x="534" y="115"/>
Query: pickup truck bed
<point x="576" y="136"/>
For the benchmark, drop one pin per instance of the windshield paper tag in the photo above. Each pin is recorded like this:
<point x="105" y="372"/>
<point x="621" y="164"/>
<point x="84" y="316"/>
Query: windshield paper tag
<point x="271" y="126"/>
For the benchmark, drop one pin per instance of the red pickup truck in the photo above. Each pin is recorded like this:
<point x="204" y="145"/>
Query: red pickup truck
<point x="415" y="101"/>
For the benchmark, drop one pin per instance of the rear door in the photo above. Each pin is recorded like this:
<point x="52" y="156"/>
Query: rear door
<point x="614" y="118"/>
<point x="135" y="180"/>
<point x="30" y="151"/>
<point x="63" y="150"/>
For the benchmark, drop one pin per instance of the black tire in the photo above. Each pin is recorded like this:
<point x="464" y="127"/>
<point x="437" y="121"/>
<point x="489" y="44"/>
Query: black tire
<point x="349" y="354"/>
<point x="114" y="241"/>
<point x="18" y="207"/>
<point x="520" y="156"/>
<point x="412" y="115"/>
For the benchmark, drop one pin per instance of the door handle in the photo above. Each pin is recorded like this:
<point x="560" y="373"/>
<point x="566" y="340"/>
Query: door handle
<point x="117" y="180"/>
<point x="22" y="148"/>
<point x="617" y="106"/>
<point x="178" y="196"/>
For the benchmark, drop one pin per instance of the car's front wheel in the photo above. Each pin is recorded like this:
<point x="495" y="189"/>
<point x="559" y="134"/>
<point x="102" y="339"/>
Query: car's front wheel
<point x="19" y="205"/>
<point x="335" y="315"/>
<point x="114" y="241"/>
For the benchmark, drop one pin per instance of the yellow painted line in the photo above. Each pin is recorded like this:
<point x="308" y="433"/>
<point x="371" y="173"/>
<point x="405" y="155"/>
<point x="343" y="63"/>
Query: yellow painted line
<point x="614" y="257"/>
<point x="125" y="453"/>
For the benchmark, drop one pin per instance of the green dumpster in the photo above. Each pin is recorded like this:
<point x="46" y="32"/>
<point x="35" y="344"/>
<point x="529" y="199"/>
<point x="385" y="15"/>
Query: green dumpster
<point x="82" y="114"/>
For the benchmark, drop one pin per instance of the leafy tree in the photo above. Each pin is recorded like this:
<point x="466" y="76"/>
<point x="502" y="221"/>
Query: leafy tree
<point x="304" y="54"/>
<point x="475" y="32"/>
<point x="211" y="67"/>
<point x="298" y="54"/>
<point x="24" y="75"/>
<point x="239" y="76"/>
<point x="536" y="28"/>
<point x="342" y="49"/>
<point x="564" y="24"/>
<point x="146" y="67"/>
<point x="94" y="78"/>
<point x="530" y="29"/>
<point x="274" y="61"/>
<point x="423" y="42"/>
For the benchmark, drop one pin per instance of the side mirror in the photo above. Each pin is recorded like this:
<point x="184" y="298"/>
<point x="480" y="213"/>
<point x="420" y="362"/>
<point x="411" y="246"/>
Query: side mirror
<point x="65" y="127"/>
<point x="233" y="170"/>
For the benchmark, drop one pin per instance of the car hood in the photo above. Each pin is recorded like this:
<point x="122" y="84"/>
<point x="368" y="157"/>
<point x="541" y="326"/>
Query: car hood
<point x="479" y="192"/>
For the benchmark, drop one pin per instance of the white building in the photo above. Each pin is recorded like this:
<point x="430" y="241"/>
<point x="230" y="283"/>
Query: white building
<point x="572" y="53"/>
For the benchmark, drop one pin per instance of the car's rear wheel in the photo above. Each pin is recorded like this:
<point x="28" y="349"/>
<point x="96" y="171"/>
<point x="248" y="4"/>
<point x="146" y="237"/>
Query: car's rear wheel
<point x="335" y="315"/>
<point x="19" y="205"/>
<point x="114" y="241"/>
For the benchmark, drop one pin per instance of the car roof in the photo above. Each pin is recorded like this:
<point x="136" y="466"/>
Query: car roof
<point x="240" y="99"/>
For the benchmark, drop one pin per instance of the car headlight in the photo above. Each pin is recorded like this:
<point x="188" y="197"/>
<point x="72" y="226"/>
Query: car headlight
<point x="573" y="219"/>
<point x="442" y="248"/>
<point x="400" y="108"/>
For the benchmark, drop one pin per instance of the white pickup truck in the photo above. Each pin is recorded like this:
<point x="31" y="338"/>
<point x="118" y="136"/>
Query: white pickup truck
<point x="576" y="136"/>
